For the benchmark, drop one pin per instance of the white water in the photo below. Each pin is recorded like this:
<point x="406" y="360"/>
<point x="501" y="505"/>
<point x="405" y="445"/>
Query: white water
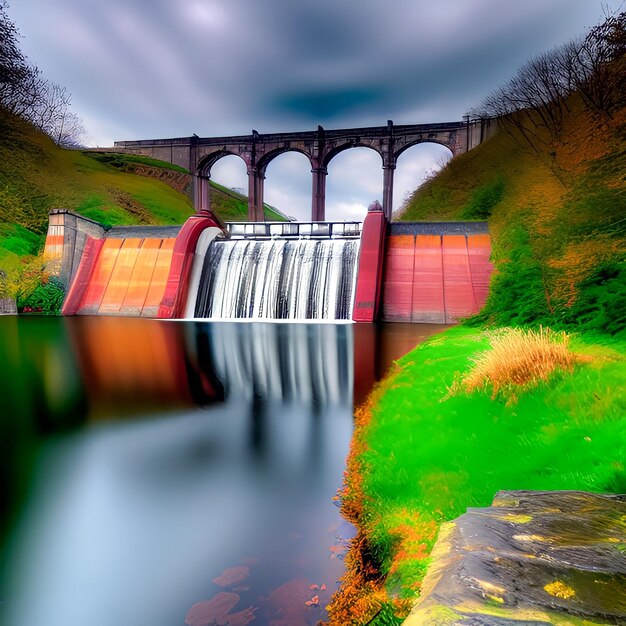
<point x="278" y="279"/>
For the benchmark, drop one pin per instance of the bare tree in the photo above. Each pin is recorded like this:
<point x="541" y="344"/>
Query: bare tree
<point x="51" y="113"/>
<point x="26" y="93"/>
<point x="599" y="66"/>
<point x="532" y="105"/>
<point x="12" y="61"/>
<point x="17" y="77"/>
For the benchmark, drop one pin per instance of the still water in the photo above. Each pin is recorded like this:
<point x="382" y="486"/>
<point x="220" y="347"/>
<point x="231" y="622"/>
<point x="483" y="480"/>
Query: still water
<point x="172" y="473"/>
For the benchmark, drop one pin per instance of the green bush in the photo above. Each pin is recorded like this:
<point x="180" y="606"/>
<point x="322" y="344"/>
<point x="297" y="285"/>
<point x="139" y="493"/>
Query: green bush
<point x="47" y="298"/>
<point x="517" y="293"/>
<point x="601" y="301"/>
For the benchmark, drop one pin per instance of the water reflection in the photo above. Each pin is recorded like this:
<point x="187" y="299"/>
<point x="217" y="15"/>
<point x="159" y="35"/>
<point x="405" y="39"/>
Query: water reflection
<point x="132" y="365"/>
<point x="307" y="361"/>
<point x="168" y="473"/>
<point x="233" y="463"/>
<point x="377" y="346"/>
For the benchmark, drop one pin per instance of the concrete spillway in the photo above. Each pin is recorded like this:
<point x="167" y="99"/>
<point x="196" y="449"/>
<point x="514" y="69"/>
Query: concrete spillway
<point x="279" y="279"/>
<point x="407" y="272"/>
<point x="122" y="276"/>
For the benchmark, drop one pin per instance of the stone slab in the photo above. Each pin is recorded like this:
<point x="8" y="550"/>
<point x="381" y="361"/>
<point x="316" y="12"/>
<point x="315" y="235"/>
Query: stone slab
<point x="532" y="558"/>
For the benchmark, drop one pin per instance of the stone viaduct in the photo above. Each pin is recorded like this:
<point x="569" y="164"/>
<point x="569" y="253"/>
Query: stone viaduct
<point x="199" y="154"/>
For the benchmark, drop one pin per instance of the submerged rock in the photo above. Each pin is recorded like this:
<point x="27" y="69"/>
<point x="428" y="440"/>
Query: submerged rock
<point x="532" y="558"/>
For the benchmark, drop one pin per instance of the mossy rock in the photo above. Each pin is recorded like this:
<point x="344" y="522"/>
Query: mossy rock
<point x="533" y="558"/>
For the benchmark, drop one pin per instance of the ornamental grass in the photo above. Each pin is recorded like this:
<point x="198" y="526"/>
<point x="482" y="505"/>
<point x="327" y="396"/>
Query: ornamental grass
<point x="519" y="359"/>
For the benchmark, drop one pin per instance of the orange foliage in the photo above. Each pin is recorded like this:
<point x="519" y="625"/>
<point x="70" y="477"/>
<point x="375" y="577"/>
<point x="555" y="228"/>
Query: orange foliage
<point x="362" y="594"/>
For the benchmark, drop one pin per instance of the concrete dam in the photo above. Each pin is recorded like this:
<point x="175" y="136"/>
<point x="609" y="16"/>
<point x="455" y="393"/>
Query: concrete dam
<point x="435" y="272"/>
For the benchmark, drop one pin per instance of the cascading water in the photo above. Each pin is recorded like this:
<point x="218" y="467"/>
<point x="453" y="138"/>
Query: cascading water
<point x="278" y="279"/>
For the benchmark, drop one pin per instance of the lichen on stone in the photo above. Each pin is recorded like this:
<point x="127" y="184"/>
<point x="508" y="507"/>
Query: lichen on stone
<point x="559" y="589"/>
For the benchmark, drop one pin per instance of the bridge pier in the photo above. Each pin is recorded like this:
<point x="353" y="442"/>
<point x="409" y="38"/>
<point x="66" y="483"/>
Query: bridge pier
<point x="318" y="205"/>
<point x="256" y="180"/>
<point x="202" y="193"/>
<point x="388" y="171"/>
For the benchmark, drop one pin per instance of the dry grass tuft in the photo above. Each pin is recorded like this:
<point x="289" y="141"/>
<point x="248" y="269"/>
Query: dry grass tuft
<point x="518" y="360"/>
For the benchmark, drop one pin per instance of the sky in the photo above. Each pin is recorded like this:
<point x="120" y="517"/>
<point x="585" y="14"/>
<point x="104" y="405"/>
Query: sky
<point x="145" y="69"/>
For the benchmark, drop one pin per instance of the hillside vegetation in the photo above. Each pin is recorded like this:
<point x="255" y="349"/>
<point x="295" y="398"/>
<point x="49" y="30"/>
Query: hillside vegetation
<point x="36" y="176"/>
<point x="490" y="406"/>
<point x="458" y="418"/>
<point x="558" y="222"/>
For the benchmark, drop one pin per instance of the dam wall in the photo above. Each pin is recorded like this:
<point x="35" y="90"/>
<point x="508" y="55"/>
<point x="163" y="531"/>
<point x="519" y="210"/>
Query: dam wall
<point x="66" y="239"/>
<point x="420" y="272"/>
<point x="435" y="272"/>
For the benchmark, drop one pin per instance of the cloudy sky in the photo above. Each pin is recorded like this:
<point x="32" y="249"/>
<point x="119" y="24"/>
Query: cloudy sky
<point x="141" y="69"/>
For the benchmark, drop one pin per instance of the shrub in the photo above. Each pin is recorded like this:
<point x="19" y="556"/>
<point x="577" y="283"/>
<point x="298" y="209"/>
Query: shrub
<point x="46" y="298"/>
<point x="517" y="293"/>
<point x="601" y="301"/>
<point x="518" y="360"/>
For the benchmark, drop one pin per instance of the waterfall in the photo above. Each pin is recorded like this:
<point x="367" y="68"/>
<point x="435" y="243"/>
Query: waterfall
<point x="278" y="279"/>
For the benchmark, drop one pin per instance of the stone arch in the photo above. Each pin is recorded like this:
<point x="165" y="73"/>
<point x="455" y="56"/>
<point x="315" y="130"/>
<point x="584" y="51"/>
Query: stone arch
<point x="230" y="172"/>
<point x="209" y="160"/>
<point x="333" y="152"/>
<point x="416" y="142"/>
<point x="269" y="156"/>
<point x="287" y="183"/>
<point x="414" y="164"/>
<point x="354" y="175"/>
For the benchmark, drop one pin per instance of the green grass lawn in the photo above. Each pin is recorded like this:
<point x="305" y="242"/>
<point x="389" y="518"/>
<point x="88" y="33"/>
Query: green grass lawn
<point x="427" y="455"/>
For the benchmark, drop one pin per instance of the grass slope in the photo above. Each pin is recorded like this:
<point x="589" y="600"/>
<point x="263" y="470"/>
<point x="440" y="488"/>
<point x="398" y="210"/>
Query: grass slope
<point x="424" y="455"/>
<point x="37" y="176"/>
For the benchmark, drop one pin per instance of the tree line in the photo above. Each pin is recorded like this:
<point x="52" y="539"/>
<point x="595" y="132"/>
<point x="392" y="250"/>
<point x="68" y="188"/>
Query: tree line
<point x="26" y="93"/>
<point x="534" y="103"/>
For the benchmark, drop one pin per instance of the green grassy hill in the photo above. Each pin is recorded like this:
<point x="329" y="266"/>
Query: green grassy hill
<point x="36" y="176"/>
<point x="558" y="222"/>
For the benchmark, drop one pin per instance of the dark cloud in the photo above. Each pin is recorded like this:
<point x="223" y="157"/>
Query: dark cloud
<point x="325" y="104"/>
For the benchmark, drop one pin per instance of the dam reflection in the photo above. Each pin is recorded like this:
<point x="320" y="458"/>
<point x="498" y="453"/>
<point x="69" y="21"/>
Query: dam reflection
<point x="128" y="364"/>
<point x="163" y="457"/>
<point x="162" y="472"/>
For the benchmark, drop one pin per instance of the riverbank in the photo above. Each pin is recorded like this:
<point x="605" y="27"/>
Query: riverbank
<point x="421" y="455"/>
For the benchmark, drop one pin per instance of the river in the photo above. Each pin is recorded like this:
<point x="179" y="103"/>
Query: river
<point x="172" y="473"/>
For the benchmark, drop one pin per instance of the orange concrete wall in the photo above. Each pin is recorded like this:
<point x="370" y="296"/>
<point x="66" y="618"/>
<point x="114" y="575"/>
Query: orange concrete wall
<point x="435" y="278"/>
<point x="127" y="277"/>
<point x="53" y="249"/>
